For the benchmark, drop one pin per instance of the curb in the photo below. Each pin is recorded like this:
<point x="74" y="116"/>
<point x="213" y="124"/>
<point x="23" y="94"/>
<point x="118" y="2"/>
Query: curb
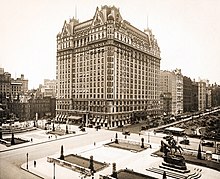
<point x="42" y="142"/>
<point x="31" y="172"/>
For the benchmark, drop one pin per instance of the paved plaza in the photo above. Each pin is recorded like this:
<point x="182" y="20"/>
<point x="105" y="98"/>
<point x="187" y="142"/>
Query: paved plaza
<point x="86" y="144"/>
<point x="124" y="159"/>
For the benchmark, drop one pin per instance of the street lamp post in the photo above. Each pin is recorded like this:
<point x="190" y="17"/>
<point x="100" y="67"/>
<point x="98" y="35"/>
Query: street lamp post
<point x="53" y="170"/>
<point x="148" y="137"/>
<point x="27" y="161"/>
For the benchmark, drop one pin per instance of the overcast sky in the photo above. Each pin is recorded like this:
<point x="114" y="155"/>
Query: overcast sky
<point x="187" y="31"/>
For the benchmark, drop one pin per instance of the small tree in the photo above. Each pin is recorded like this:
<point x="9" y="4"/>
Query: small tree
<point x="142" y="142"/>
<point x="199" y="155"/>
<point x="61" y="155"/>
<point x="116" y="138"/>
<point x="12" y="139"/>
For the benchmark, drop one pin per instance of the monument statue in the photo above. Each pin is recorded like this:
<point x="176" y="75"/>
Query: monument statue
<point x="173" y="154"/>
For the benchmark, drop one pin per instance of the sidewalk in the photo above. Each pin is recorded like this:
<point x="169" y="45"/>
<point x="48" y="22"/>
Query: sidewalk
<point x="100" y="153"/>
<point x="124" y="159"/>
<point x="38" y="136"/>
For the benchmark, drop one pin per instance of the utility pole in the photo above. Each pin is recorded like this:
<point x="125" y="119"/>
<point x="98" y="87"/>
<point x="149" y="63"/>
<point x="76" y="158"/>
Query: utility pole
<point x="27" y="161"/>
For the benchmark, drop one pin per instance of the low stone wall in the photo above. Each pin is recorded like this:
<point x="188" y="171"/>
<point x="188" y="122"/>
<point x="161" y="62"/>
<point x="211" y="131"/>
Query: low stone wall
<point x="69" y="165"/>
<point x="7" y="143"/>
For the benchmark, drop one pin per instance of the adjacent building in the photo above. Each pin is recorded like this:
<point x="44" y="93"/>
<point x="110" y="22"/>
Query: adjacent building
<point x="187" y="94"/>
<point x="195" y="98"/>
<point x="107" y="70"/>
<point x="172" y="82"/>
<point x="215" y="95"/>
<point x="201" y="95"/>
<point x="5" y="85"/>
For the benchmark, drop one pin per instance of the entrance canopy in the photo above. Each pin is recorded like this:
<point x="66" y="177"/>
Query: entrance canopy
<point x="74" y="118"/>
<point x="174" y="130"/>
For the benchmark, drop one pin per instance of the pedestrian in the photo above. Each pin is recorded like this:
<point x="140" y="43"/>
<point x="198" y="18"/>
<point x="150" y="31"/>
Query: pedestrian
<point x="94" y="143"/>
<point x="31" y="140"/>
<point x="49" y="137"/>
<point x="35" y="163"/>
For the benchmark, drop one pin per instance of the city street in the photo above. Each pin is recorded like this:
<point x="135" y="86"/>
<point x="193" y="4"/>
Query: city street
<point x="13" y="159"/>
<point x="10" y="161"/>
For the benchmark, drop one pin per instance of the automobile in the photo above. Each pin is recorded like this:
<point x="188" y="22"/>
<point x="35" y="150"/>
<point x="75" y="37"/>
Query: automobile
<point x="126" y="132"/>
<point x="90" y="126"/>
<point x="143" y="127"/>
<point x="185" y="142"/>
<point x="120" y="126"/>
<point x="166" y="137"/>
<point x="81" y="126"/>
<point x="98" y="127"/>
<point x="208" y="144"/>
<point x="83" y="129"/>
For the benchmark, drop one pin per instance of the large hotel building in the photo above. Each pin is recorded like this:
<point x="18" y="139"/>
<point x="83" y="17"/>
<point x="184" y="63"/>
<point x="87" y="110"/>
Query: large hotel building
<point x="107" y="70"/>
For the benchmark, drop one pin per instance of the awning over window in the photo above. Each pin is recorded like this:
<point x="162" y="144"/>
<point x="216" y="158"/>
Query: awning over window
<point x="74" y="118"/>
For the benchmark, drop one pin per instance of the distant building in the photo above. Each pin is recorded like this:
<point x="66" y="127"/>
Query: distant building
<point x="195" y="95"/>
<point x="215" y="95"/>
<point x="172" y="82"/>
<point x="24" y="83"/>
<point x="107" y="70"/>
<point x="187" y="94"/>
<point x="208" y="97"/>
<point x="20" y="109"/>
<point x="202" y="95"/>
<point x="166" y="100"/>
<point x="45" y="107"/>
<point x="48" y="89"/>
<point x="5" y="85"/>
<point x="16" y="90"/>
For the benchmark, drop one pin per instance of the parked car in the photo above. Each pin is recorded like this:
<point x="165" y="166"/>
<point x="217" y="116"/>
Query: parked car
<point x="98" y="127"/>
<point x="166" y="137"/>
<point x="185" y="142"/>
<point x="143" y="128"/>
<point x="90" y="126"/>
<point x="208" y="144"/>
<point x="83" y="129"/>
<point x="126" y="132"/>
<point x="81" y="126"/>
<point x="120" y="126"/>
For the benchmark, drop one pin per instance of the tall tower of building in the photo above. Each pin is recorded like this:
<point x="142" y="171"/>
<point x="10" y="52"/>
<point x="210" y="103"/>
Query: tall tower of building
<point x="107" y="70"/>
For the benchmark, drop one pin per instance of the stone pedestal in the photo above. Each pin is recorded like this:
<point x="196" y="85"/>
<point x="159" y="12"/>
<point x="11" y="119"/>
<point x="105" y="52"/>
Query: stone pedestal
<point x="175" y="163"/>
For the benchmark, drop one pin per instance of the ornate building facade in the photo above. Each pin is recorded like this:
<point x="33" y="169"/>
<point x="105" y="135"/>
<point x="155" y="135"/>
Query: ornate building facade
<point x="107" y="70"/>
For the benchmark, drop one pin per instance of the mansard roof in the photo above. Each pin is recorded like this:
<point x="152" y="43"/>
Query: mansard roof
<point x="102" y="16"/>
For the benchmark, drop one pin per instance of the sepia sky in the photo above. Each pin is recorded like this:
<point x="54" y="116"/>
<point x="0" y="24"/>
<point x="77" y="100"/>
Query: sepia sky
<point x="187" y="31"/>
